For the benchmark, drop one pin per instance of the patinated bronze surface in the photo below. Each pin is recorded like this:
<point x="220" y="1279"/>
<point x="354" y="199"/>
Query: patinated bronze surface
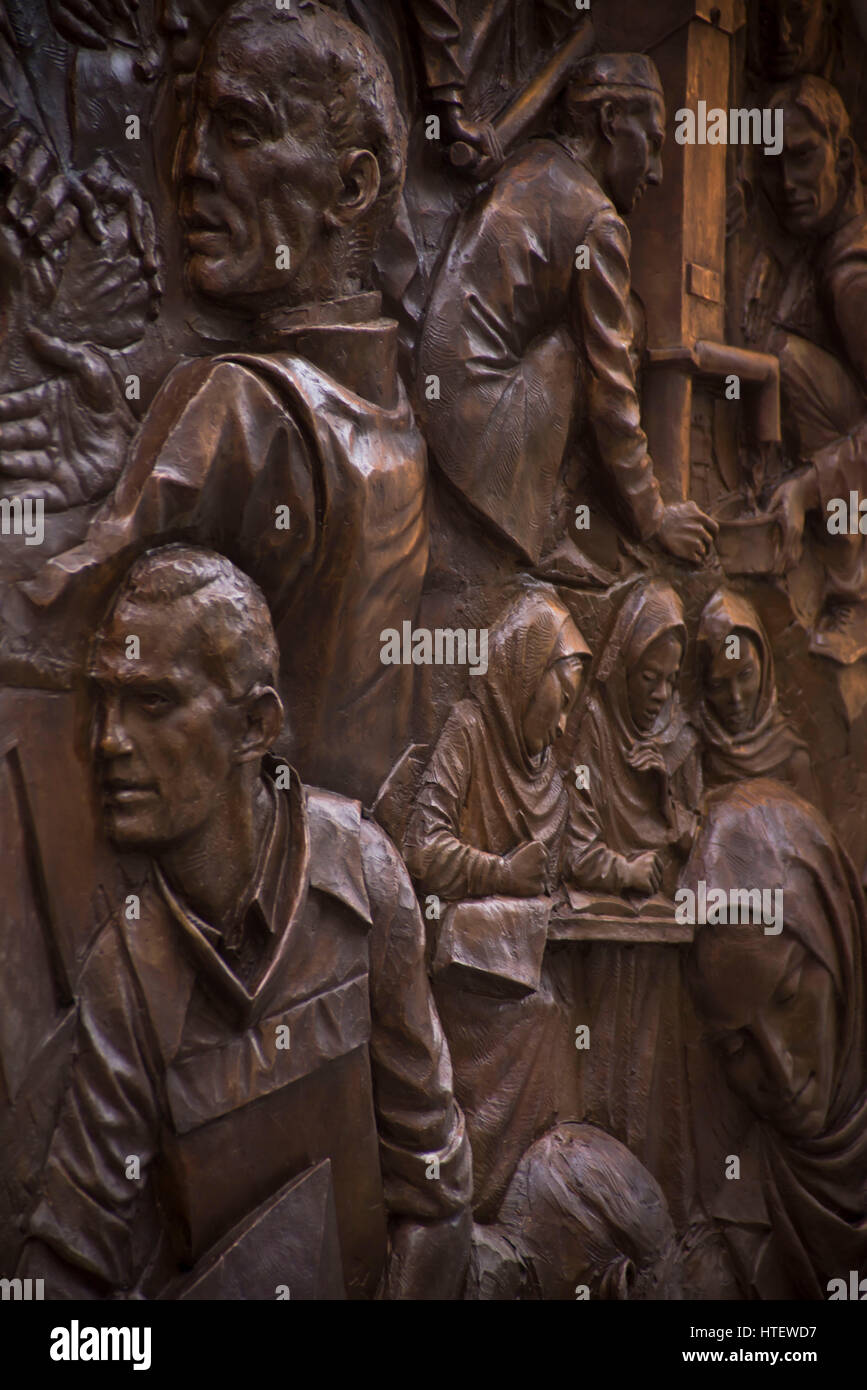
<point x="433" y="649"/>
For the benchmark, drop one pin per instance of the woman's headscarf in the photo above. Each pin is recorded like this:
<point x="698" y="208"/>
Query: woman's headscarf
<point x="632" y="806"/>
<point x="766" y="748"/>
<point x="513" y="795"/>
<point x="815" y="1189"/>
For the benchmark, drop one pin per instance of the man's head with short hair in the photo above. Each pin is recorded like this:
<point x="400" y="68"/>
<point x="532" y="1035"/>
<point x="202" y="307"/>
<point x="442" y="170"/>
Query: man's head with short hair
<point x="293" y="159"/>
<point x="184" y="670"/>
<point x="815" y="179"/>
<point x="582" y="1210"/>
<point x="793" y="36"/>
<point x="614" y="109"/>
<point x="225" y="614"/>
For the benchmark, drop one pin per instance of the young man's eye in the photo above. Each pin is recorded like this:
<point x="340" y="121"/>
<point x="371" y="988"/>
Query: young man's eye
<point x="152" y="702"/>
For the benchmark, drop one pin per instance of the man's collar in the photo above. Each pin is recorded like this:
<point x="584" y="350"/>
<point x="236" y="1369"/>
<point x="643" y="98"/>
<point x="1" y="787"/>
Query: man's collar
<point x="315" y="841"/>
<point x="346" y="338"/>
<point x="262" y="895"/>
<point x="349" y="309"/>
<point x="278" y="893"/>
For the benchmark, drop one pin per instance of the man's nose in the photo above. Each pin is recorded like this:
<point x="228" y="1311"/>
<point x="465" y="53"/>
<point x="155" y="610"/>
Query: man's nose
<point x="562" y="722"/>
<point x="197" y="162"/>
<point x="114" y="741"/>
<point x="654" y="171"/>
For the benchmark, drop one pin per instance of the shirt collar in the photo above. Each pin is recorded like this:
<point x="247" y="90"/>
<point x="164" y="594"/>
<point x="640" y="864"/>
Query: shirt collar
<point x="276" y="894"/>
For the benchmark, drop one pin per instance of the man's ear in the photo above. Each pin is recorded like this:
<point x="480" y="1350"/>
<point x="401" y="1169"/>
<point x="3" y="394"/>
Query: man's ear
<point x="263" y="720"/>
<point x="360" y="180"/>
<point x="608" y="121"/>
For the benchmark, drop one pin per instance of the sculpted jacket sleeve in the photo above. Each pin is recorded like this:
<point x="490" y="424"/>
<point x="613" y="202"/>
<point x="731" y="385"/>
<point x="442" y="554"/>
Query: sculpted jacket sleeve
<point x="435" y="854"/>
<point x="90" y="1209"/>
<point x="424" y="1151"/>
<point x="601" y="305"/>
<point x="216" y="454"/>
<point x="439" y="32"/>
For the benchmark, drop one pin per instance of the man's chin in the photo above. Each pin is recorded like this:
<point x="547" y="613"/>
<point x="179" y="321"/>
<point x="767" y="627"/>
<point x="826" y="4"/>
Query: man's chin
<point x="131" y="837"/>
<point x="213" y="277"/>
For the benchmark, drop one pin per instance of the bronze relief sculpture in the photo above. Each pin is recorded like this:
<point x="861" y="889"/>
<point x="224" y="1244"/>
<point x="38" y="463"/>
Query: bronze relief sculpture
<point x="433" y="650"/>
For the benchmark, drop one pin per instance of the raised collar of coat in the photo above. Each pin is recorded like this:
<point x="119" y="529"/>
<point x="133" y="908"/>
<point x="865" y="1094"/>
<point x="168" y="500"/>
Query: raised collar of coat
<point x="322" y="851"/>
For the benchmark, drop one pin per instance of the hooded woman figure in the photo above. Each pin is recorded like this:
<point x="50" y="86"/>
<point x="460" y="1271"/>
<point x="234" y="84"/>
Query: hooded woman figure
<point x="745" y="734"/>
<point x="786" y="1014"/>
<point x="637" y="818"/>
<point x="489" y="821"/>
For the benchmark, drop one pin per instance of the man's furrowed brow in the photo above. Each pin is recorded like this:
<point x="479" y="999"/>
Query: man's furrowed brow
<point x="124" y="674"/>
<point x="231" y="98"/>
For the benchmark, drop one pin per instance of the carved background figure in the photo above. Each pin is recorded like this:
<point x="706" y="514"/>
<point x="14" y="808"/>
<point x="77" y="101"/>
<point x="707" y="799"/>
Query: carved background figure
<point x="744" y="732"/>
<point x="787" y="1015"/>
<point x="340" y="340"/>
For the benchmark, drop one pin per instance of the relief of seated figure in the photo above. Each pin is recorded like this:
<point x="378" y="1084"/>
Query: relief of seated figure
<point x="582" y="1219"/>
<point x="632" y="827"/>
<point x="489" y="825"/>
<point x="637" y="816"/>
<point x="529" y="351"/>
<point x="744" y="731"/>
<point x="785" y="1014"/>
<point x="816" y="189"/>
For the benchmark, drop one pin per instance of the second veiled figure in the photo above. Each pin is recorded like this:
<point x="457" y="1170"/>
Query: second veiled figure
<point x="745" y="732"/>
<point x="630" y="833"/>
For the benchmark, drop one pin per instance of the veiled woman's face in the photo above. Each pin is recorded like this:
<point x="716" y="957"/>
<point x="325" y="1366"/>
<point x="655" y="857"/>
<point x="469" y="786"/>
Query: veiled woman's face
<point x="732" y="685"/>
<point x="651" y="680"/>
<point x="547" y="714"/>
<point x="772" y="1008"/>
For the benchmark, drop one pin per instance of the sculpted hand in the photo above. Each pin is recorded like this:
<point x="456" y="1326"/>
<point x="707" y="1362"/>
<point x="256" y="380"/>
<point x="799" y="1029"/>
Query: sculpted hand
<point x="791" y="502"/>
<point x="90" y="22"/>
<point x="687" y="532"/>
<point x="644" y="874"/>
<point x="474" y="143"/>
<point x="526" y="868"/>
<point x="41" y="203"/>
<point x="109" y="290"/>
<point x="649" y="760"/>
<point x="64" y="440"/>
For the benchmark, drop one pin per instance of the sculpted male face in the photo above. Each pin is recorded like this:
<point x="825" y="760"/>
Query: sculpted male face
<point x="810" y="181"/>
<point x="732" y="686"/>
<point x="163" y="729"/>
<point x="792" y="37"/>
<point x="633" y="158"/>
<point x="772" y="1008"/>
<point x="257" y="176"/>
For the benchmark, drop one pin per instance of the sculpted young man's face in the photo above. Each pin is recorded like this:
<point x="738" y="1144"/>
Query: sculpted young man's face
<point x="164" y="731"/>
<point x="633" y="159"/>
<point x="808" y="181"/>
<point x="792" y="37"/>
